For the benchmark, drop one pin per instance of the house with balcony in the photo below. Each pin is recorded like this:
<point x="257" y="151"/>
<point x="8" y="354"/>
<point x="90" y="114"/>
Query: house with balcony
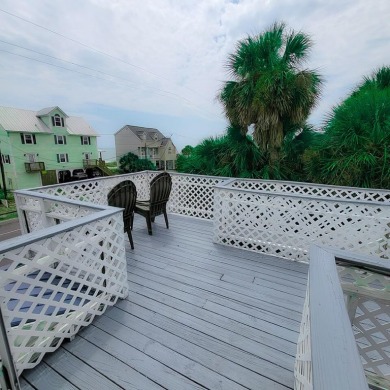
<point x="147" y="143"/>
<point x="257" y="284"/>
<point x="44" y="147"/>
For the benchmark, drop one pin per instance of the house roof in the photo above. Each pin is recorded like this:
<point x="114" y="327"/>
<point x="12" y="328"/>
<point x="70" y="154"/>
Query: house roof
<point x="151" y="134"/>
<point x="49" y="110"/>
<point x="27" y="121"/>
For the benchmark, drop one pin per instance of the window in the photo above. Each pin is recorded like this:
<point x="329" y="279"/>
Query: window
<point x="28" y="138"/>
<point x="85" y="140"/>
<point x="5" y="158"/>
<point x="169" y="150"/>
<point x="87" y="156"/>
<point x="31" y="157"/>
<point x="60" y="139"/>
<point x="62" y="158"/>
<point x="57" y="121"/>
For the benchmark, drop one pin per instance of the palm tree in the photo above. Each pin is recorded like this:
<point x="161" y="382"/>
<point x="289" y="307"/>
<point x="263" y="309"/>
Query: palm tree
<point x="354" y="147"/>
<point x="270" y="89"/>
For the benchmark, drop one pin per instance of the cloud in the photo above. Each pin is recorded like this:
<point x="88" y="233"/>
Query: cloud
<point x="166" y="58"/>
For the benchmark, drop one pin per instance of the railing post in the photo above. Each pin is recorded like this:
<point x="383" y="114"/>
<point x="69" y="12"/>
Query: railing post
<point x="8" y="376"/>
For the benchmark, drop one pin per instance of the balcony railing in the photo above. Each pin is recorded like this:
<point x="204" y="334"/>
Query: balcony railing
<point x="76" y="248"/>
<point x="34" y="166"/>
<point x="58" y="278"/>
<point x="344" y="337"/>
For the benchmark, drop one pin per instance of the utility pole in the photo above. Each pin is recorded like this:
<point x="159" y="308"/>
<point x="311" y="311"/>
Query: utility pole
<point x="3" y="176"/>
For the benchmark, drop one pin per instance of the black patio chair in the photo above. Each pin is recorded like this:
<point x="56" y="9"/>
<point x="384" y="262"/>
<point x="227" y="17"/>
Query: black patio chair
<point x="124" y="195"/>
<point x="160" y="189"/>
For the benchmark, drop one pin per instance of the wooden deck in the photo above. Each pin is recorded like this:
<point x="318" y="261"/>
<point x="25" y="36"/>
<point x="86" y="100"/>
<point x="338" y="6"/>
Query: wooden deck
<point x="198" y="315"/>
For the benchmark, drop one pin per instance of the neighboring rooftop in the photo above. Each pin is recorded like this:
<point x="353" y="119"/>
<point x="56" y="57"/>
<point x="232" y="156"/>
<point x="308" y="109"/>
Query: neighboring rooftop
<point x="20" y="120"/>
<point x="150" y="133"/>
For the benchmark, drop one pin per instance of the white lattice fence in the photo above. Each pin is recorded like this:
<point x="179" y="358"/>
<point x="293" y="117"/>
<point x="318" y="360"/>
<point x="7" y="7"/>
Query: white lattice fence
<point x="368" y="303"/>
<point x="96" y="190"/>
<point x="37" y="212"/>
<point x="285" y="226"/>
<point x="313" y="190"/>
<point x="193" y="195"/>
<point x="303" y="364"/>
<point x="52" y="286"/>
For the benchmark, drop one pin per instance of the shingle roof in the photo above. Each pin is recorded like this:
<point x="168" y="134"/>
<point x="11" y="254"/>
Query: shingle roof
<point x="19" y="120"/>
<point x="151" y="134"/>
<point x="48" y="110"/>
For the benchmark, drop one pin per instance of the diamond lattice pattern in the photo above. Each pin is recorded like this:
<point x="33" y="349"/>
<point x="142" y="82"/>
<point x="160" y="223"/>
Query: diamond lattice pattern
<point x="52" y="287"/>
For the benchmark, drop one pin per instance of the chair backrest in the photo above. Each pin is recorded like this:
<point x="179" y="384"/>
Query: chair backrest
<point x="123" y="195"/>
<point x="160" y="189"/>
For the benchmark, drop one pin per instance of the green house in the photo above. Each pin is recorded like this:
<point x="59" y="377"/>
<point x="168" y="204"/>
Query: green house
<point x="45" y="147"/>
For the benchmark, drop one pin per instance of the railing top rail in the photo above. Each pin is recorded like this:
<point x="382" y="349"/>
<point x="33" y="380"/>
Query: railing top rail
<point x="228" y="186"/>
<point x="51" y="231"/>
<point x="81" y="182"/>
<point x="335" y="358"/>
<point x="63" y="199"/>
<point x="373" y="263"/>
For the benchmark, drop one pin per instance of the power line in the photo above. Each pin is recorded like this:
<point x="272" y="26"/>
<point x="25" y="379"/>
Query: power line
<point x="75" y="71"/>
<point x="87" y="67"/>
<point x="91" y="48"/>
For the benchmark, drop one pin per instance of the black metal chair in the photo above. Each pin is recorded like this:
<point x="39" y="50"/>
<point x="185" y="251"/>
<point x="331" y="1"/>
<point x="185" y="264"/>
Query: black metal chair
<point x="124" y="195"/>
<point x="160" y="189"/>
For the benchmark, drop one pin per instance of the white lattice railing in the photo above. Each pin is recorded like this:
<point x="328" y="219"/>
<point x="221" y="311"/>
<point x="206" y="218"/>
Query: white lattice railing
<point x="367" y="293"/>
<point x="344" y="340"/>
<point x="285" y="224"/>
<point x="191" y="195"/>
<point x="58" y="278"/>
<point x="303" y="368"/>
<point x="77" y="242"/>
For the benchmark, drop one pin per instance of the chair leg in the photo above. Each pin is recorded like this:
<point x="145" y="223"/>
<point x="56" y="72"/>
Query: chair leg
<point x="131" y="221"/>
<point x="149" y="223"/>
<point x="130" y="238"/>
<point x="166" y="219"/>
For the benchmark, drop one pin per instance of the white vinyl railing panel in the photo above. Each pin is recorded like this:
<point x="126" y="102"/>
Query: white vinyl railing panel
<point x="313" y="190"/>
<point x="327" y="355"/>
<point x="193" y="195"/>
<point x="303" y="365"/>
<point x="286" y="225"/>
<point x="368" y="301"/>
<point x="58" y="278"/>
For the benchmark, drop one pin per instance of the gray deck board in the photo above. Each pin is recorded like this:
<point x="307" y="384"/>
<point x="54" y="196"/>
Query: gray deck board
<point x="198" y="315"/>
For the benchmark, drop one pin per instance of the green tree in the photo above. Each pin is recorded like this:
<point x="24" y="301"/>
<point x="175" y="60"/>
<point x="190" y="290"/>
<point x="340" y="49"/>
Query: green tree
<point x="270" y="89"/>
<point x="231" y="155"/>
<point x="131" y="163"/>
<point x="354" y="148"/>
<point x="187" y="150"/>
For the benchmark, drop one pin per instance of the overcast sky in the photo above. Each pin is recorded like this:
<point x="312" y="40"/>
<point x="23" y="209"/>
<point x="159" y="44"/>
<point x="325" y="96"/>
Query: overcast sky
<point x="160" y="63"/>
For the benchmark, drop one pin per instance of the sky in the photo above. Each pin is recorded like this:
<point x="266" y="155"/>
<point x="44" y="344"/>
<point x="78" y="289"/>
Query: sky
<point x="161" y="63"/>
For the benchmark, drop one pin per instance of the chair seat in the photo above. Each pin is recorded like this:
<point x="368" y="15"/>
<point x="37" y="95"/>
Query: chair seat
<point x="142" y="206"/>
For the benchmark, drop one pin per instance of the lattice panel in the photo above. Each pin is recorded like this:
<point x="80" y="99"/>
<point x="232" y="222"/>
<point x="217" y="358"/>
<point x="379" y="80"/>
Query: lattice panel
<point x="52" y="287"/>
<point x="303" y="365"/>
<point x="313" y="190"/>
<point x="368" y="304"/>
<point x="41" y="213"/>
<point x="286" y="226"/>
<point x="96" y="190"/>
<point x="193" y="195"/>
